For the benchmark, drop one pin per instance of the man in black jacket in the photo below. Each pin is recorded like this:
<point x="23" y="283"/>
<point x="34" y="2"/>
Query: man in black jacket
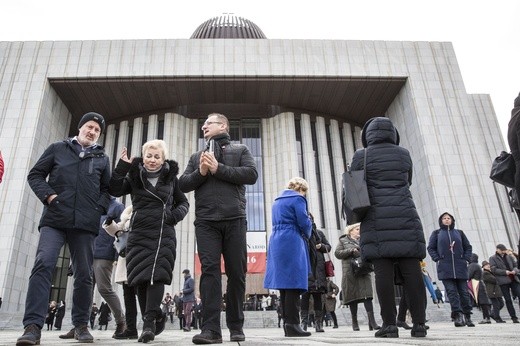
<point x="218" y="175"/>
<point x="503" y="266"/>
<point x="71" y="179"/>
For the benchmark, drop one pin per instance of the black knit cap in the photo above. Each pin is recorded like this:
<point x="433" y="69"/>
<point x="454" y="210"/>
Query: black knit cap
<point x="98" y="118"/>
<point x="517" y="101"/>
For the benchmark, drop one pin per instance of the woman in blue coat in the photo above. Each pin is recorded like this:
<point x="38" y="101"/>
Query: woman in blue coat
<point x="288" y="264"/>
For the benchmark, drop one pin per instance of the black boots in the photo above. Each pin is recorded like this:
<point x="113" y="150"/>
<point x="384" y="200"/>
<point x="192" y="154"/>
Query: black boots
<point x="372" y="321"/>
<point x="148" y="333"/>
<point x="419" y="330"/>
<point x="318" y="323"/>
<point x="355" y="325"/>
<point x="294" y="330"/>
<point x="459" y="320"/>
<point x="469" y="322"/>
<point x="389" y="331"/>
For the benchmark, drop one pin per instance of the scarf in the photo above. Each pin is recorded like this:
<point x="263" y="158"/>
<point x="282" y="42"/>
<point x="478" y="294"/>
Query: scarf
<point x="153" y="176"/>
<point x="221" y="141"/>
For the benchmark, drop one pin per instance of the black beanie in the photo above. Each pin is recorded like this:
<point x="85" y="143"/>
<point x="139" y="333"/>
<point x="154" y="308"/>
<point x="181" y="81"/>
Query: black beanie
<point x="517" y="101"/>
<point x="98" y="118"/>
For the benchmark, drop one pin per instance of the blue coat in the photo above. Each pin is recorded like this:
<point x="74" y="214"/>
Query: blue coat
<point x="451" y="250"/>
<point x="288" y="264"/>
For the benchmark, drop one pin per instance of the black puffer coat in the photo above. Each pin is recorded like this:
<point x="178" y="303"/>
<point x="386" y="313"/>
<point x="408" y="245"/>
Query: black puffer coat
<point x="392" y="227"/>
<point x="151" y="247"/>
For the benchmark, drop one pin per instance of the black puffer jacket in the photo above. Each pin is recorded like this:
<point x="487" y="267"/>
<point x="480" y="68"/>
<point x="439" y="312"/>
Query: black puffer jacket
<point x="151" y="247"/>
<point x="391" y="228"/>
<point x="221" y="196"/>
<point x="81" y="183"/>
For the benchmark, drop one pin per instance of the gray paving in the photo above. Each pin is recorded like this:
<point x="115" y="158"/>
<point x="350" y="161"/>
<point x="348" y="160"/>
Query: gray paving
<point x="261" y="329"/>
<point x="439" y="333"/>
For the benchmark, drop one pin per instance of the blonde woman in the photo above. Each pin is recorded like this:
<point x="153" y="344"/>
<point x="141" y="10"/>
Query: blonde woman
<point x="356" y="289"/>
<point x="288" y="264"/>
<point x="158" y="205"/>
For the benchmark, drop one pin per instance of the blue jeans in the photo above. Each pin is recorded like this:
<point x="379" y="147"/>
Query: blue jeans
<point x="457" y="291"/>
<point x="81" y="246"/>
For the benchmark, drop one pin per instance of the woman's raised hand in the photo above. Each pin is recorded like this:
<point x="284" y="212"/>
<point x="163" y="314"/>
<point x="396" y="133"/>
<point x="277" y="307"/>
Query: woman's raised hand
<point x="124" y="155"/>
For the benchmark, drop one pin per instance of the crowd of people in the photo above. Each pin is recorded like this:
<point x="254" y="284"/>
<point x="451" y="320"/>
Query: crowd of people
<point x="78" y="189"/>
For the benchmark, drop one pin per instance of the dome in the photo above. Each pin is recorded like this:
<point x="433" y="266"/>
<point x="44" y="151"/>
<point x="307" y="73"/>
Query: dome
<point x="228" y="26"/>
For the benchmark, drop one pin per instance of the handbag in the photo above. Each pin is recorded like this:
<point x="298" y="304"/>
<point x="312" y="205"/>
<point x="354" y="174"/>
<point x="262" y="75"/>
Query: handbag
<point x="329" y="267"/>
<point x="503" y="169"/>
<point x="120" y="242"/>
<point x="360" y="267"/>
<point x="356" y="200"/>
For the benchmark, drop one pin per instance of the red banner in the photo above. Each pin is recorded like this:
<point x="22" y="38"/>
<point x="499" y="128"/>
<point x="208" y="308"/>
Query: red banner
<point x="255" y="263"/>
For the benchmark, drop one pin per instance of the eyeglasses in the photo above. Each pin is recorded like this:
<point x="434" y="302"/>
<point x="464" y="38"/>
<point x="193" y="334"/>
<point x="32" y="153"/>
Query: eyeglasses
<point x="207" y="123"/>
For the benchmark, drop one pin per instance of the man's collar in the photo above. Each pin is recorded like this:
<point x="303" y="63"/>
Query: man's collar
<point x="75" y="141"/>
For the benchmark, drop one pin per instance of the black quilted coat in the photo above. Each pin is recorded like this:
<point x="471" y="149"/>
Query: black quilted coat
<point x="392" y="227"/>
<point x="151" y="247"/>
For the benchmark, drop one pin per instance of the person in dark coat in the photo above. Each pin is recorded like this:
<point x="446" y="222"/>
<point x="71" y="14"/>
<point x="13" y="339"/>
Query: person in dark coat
<point x="451" y="250"/>
<point x="392" y="235"/>
<point x="493" y="291"/>
<point x="318" y="246"/>
<point x="158" y="205"/>
<point x="93" y="313"/>
<point x="331" y="300"/>
<point x="288" y="262"/>
<point x="480" y="297"/>
<point x="104" y="315"/>
<point x="188" y="299"/>
<point x="71" y="180"/>
<point x="356" y="289"/>
<point x="51" y="313"/>
<point x="505" y="269"/>
<point x="218" y="175"/>
<point x="60" y="313"/>
<point x="513" y="139"/>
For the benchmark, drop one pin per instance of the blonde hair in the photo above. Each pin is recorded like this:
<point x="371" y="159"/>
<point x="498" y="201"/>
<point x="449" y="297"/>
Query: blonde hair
<point x="156" y="144"/>
<point x="298" y="184"/>
<point x="350" y="228"/>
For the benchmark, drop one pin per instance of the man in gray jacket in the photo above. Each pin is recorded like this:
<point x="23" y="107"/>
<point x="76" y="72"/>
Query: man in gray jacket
<point x="503" y="266"/>
<point x="218" y="176"/>
<point x="71" y="180"/>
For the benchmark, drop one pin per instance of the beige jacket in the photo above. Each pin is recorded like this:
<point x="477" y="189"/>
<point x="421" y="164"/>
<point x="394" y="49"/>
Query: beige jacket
<point x="112" y="229"/>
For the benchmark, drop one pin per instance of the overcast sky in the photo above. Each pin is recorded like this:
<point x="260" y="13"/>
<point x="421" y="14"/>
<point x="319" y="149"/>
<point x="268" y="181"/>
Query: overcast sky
<point x="485" y="34"/>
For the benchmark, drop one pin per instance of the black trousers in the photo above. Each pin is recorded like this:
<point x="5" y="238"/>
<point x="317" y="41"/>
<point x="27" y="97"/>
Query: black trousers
<point x="316" y="298"/>
<point x="498" y="304"/>
<point x="413" y="283"/>
<point x="150" y="298"/>
<point x="506" y="292"/>
<point x="290" y="300"/>
<point x="226" y="238"/>
<point x="130" y="307"/>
